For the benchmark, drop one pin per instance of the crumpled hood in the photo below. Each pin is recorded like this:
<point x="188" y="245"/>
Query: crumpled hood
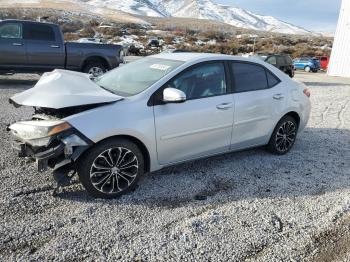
<point x="62" y="88"/>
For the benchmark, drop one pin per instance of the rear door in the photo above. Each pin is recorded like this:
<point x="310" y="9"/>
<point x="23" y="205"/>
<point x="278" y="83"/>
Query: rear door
<point x="12" y="46"/>
<point x="45" y="49"/>
<point x="200" y="126"/>
<point x="259" y="100"/>
<point x="282" y="64"/>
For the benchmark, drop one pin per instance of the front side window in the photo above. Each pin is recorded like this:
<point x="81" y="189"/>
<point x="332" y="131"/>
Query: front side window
<point x="249" y="77"/>
<point x="135" y="77"/>
<point x="201" y="81"/>
<point x="11" y="31"/>
<point x="39" y="32"/>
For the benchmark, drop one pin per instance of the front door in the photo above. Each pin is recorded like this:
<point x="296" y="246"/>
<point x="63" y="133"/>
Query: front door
<point x="202" y="125"/>
<point x="12" y="46"/>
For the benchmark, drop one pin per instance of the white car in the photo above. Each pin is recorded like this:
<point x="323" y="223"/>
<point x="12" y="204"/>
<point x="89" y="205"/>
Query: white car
<point x="155" y="112"/>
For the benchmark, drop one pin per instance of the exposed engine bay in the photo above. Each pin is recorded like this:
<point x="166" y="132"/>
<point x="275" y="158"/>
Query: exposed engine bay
<point x="43" y="113"/>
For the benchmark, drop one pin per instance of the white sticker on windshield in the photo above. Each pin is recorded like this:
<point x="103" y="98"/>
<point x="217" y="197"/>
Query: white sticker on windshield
<point x="160" y="67"/>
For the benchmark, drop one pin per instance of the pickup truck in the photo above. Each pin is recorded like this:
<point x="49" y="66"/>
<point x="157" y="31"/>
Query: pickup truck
<point x="27" y="46"/>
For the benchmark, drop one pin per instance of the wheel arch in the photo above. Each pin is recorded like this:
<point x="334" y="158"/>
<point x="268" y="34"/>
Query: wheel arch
<point x="93" y="58"/>
<point x="141" y="146"/>
<point x="293" y="114"/>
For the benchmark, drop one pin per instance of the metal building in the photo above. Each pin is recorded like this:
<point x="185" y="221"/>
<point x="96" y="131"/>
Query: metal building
<point x="340" y="59"/>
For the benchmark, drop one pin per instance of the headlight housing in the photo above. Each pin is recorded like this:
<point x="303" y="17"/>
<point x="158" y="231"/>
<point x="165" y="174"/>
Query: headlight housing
<point x="38" y="133"/>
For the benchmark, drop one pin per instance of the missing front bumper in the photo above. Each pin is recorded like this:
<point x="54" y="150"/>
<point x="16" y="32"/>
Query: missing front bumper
<point x="41" y="158"/>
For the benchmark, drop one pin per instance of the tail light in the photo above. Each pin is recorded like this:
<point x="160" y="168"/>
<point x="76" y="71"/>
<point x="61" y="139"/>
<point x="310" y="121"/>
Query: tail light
<point x="307" y="92"/>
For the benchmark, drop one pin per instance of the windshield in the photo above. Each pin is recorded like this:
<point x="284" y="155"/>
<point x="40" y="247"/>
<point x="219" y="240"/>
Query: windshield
<point x="133" y="78"/>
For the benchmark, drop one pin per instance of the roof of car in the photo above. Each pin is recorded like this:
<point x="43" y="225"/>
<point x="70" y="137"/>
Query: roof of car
<point x="187" y="56"/>
<point x="27" y="21"/>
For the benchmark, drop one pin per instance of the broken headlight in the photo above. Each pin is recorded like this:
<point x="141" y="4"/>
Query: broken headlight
<point x="38" y="133"/>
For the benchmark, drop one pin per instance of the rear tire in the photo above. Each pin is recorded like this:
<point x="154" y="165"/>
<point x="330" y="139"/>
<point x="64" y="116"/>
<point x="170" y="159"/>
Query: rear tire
<point x="283" y="136"/>
<point x="111" y="168"/>
<point x="95" y="68"/>
<point x="291" y="74"/>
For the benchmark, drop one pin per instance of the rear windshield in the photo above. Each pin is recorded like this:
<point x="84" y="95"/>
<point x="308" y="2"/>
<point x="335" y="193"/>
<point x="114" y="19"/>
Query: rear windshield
<point x="135" y="77"/>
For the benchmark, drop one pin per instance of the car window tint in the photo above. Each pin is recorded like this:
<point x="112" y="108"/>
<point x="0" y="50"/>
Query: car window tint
<point x="202" y="81"/>
<point x="272" y="60"/>
<point x="280" y="60"/>
<point x="39" y="32"/>
<point x="272" y="80"/>
<point x="289" y="60"/>
<point x="11" y="30"/>
<point x="249" y="77"/>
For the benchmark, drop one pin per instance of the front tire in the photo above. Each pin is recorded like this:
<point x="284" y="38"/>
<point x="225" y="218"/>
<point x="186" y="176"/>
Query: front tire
<point x="95" y="68"/>
<point x="111" y="168"/>
<point x="283" y="136"/>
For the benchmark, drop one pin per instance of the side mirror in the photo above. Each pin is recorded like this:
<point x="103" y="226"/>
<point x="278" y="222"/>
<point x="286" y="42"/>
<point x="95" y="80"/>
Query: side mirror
<point x="173" y="95"/>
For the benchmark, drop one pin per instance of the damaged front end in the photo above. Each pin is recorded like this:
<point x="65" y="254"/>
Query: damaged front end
<point x="47" y="138"/>
<point x="49" y="141"/>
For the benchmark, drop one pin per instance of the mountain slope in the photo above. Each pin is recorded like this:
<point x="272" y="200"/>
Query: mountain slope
<point x="202" y="9"/>
<point x="138" y="7"/>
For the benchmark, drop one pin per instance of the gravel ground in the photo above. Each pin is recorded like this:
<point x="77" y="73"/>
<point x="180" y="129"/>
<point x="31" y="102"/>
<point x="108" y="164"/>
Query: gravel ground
<point x="249" y="205"/>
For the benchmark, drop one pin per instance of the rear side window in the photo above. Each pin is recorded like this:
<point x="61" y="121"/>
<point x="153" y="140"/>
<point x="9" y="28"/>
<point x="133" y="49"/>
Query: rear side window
<point x="280" y="60"/>
<point x="249" y="77"/>
<point x="39" y="32"/>
<point x="272" y="79"/>
<point x="11" y="31"/>
<point x="289" y="60"/>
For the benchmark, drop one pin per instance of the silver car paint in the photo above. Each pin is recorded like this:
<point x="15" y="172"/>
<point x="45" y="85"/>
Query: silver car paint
<point x="169" y="131"/>
<point x="63" y="88"/>
<point x="184" y="132"/>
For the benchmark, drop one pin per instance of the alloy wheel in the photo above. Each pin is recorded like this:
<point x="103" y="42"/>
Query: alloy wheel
<point x="114" y="170"/>
<point x="285" y="136"/>
<point x="95" y="71"/>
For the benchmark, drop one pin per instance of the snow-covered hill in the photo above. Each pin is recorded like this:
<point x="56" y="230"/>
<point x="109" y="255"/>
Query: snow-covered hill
<point x="202" y="9"/>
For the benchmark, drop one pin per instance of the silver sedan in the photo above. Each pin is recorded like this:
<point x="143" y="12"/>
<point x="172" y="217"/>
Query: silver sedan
<point x="155" y="112"/>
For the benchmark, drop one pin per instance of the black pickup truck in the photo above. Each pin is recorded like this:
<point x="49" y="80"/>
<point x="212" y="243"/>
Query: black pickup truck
<point x="27" y="46"/>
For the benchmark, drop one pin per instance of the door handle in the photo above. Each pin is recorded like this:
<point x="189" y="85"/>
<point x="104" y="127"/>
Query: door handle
<point x="54" y="46"/>
<point x="224" y="106"/>
<point x="278" y="96"/>
<point x="17" y="44"/>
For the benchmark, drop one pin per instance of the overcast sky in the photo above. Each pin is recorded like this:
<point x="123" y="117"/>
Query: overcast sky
<point x="316" y="15"/>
